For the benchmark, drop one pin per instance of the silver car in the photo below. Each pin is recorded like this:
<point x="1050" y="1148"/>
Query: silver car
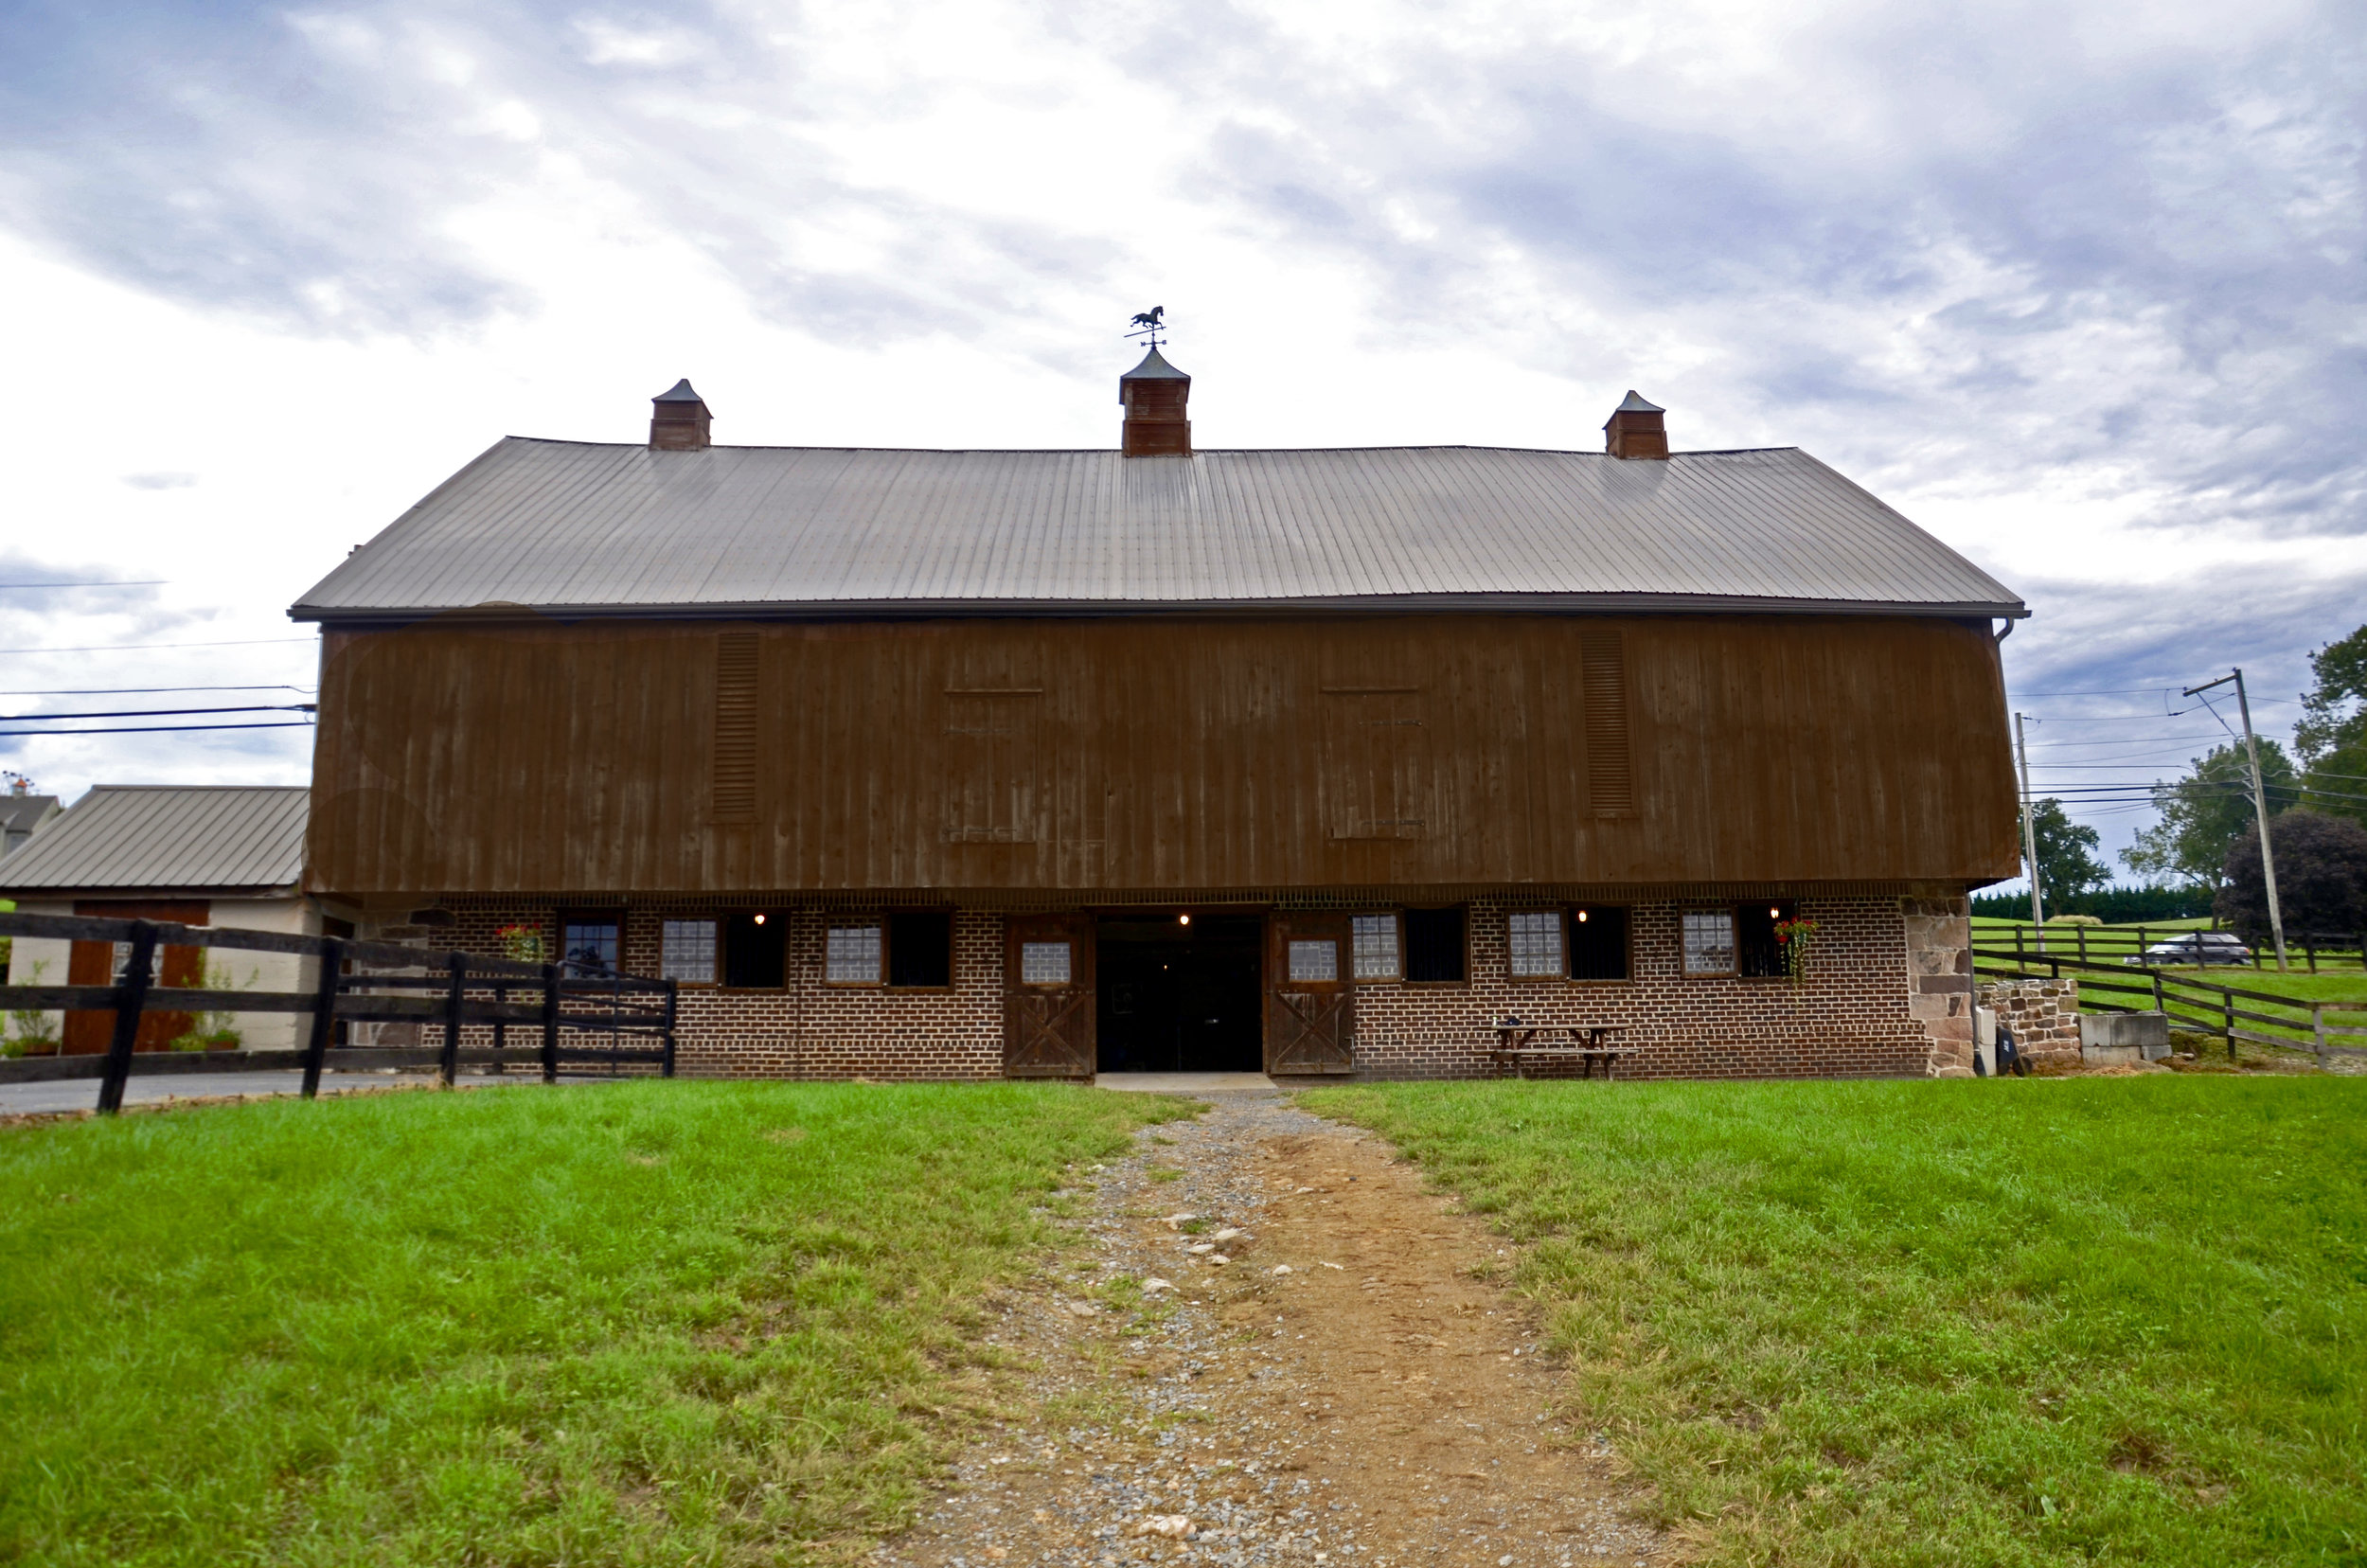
<point x="2194" y="948"/>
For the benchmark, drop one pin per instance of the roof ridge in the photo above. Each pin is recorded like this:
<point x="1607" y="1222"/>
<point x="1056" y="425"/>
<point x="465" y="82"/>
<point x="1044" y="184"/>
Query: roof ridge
<point x="1112" y="452"/>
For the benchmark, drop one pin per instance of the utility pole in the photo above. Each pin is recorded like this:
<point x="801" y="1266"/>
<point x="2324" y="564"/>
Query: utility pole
<point x="2259" y="807"/>
<point x="2030" y="835"/>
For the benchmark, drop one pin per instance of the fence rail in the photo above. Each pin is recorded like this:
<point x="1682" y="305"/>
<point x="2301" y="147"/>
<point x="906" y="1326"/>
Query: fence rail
<point x="2201" y="1006"/>
<point x="2087" y="942"/>
<point x="470" y="989"/>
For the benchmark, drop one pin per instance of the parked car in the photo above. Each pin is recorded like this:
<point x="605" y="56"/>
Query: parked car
<point x="2195" y="947"/>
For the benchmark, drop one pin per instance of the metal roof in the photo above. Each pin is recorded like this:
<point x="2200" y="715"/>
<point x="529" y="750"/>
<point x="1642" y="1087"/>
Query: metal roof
<point x="1154" y="366"/>
<point x="587" y="529"/>
<point x="160" y="838"/>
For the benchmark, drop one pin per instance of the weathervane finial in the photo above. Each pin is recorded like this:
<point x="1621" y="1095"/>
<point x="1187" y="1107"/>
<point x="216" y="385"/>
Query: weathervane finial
<point x="1150" y="325"/>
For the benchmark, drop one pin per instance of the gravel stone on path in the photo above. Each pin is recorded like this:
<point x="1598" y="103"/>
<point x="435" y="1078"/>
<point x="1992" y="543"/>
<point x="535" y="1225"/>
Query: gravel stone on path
<point x="1338" y="1383"/>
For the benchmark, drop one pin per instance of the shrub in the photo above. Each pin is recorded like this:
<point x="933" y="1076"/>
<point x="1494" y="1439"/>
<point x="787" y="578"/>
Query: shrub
<point x="2321" y="877"/>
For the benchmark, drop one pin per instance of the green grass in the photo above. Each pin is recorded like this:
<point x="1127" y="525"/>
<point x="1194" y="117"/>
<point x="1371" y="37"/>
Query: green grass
<point x="1957" y="1323"/>
<point x="645" y="1323"/>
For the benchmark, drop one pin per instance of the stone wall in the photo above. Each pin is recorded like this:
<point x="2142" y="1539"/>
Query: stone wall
<point x="1886" y="993"/>
<point x="2043" y="1014"/>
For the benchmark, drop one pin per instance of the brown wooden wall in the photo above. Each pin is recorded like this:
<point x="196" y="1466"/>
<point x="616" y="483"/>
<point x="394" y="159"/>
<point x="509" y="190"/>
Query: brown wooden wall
<point x="1134" y="754"/>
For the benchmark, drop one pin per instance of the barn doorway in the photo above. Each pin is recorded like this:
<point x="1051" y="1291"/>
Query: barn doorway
<point x="1181" y="994"/>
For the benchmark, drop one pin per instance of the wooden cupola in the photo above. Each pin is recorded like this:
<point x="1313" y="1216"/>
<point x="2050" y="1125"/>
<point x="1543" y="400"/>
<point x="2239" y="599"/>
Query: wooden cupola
<point x="679" y="420"/>
<point x="1636" y="429"/>
<point x="1155" y="396"/>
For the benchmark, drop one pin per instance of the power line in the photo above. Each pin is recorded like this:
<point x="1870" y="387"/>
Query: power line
<point x="142" y="691"/>
<point x="156" y="713"/>
<point x="147" y="729"/>
<point x="137" y="647"/>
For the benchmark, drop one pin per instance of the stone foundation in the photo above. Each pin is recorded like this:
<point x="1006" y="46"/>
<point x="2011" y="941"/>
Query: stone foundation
<point x="2043" y="1014"/>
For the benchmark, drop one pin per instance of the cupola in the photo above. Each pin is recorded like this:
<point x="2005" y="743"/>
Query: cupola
<point x="1155" y="396"/>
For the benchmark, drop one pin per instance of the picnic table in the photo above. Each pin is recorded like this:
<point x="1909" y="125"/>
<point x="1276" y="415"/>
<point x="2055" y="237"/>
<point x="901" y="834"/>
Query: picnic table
<point x="1518" y="1047"/>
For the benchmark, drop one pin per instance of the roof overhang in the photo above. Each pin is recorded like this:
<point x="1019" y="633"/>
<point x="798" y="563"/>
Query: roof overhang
<point x="912" y="609"/>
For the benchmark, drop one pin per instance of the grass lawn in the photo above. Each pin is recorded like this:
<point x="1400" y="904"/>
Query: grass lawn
<point x="2078" y="1321"/>
<point x="642" y="1322"/>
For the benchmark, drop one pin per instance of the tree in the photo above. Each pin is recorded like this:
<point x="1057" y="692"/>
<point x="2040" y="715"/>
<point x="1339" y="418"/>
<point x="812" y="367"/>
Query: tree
<point x="2332" y="735"/>
<point x="2204" y="814"/>
<point x="2321" y="877"/>
<point x="2067" y="862"/>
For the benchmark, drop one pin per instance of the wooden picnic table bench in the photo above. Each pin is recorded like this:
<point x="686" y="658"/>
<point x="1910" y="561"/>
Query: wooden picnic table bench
<point x="1517" y="1046"/>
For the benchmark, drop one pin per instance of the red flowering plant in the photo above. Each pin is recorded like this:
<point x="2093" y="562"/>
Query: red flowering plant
<point x="1796" y="936"/>
<point x="521" y="943"/>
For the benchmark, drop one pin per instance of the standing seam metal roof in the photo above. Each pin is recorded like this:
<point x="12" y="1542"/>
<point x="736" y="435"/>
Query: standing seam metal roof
<point x="163" y="838"/>
<point x="590" y="529"/>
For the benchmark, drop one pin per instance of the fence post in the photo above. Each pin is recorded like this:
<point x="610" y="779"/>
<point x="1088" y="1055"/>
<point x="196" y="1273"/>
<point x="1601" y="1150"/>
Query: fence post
<point x="550" y="1022"/>
<point x="2318" y="1031"/>
<point x="673" y="996"/>
<point x="2083" y="937"/>
<point x="458" y="964"/>
<point x="2157" y="1004"/>
<point x="130" y="1002"/>
<point x="2227" y="1020"/>
<point x="324" y="1014"/>
<point x="2309" y="947"/>
<point x="2021" y="955"/>
<point x="500" y="1029"/>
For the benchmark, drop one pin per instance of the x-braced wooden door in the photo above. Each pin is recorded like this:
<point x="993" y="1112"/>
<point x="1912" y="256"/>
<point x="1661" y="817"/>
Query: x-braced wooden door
<point x="1310" y="994"/>
<point x="1048" y="996"/>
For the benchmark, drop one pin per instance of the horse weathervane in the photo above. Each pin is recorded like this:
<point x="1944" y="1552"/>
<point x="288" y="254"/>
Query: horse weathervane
<point x="1150" y="325"/>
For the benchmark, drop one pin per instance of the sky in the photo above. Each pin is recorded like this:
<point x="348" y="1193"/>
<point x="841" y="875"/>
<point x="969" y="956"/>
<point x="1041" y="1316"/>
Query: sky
<point x="2077" y="287"/>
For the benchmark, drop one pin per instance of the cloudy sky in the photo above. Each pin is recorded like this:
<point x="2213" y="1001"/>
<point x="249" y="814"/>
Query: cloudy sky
<point x="2077" y="287"/>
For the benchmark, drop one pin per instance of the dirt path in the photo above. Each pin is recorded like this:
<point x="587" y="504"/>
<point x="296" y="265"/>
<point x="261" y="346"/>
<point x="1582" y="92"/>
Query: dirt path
<point x="1349" y="1389"/>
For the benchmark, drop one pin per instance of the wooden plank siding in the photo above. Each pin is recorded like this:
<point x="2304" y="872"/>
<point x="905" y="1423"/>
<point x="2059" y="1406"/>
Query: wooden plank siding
<point x="1159" y="752"/>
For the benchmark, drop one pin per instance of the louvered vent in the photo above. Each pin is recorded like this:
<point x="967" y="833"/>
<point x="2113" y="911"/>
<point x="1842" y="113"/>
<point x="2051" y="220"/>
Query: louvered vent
<point x="1609" y="780"/>
<point x="735" y="727"/>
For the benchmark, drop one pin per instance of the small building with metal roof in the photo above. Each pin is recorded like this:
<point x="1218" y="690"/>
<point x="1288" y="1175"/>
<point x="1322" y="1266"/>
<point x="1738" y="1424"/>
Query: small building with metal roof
<point x="222" y="855"/>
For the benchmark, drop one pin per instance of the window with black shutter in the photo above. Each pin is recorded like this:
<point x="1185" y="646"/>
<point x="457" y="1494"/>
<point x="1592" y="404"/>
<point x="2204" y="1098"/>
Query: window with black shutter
<point x="1435" y="947"/>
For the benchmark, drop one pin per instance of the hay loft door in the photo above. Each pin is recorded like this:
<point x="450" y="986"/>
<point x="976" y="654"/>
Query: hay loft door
<point x="1310" y="995"/>
<point x="1048" y="996"/>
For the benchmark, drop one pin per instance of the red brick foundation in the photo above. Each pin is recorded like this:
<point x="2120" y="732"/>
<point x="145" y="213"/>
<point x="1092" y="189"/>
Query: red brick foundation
<point x="1887" y="993"/>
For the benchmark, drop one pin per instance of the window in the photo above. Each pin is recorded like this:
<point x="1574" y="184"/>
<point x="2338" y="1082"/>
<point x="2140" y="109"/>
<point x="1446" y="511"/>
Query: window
<point x="118" y="964"/>
<point x="1598" y="942"/>
<point x="589" y="945"/>
<point x="687" y="952"/>
<point x="1709" y="941"/>
<point x="1535" y="945"/>
<point x="1377" y="948"/>
<point x="852" y="956"/>
<point x="920" y="948"/>
<point x="1314" y="962"/>
<point x="1433" y="946"/>
<point x="1043" y="963"/>
<point x="1758" y="955"/>
<point x="755" y="951"/>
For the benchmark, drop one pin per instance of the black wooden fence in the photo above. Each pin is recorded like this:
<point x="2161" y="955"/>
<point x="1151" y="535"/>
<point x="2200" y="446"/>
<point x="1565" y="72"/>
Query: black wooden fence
<point x="572" y="1020"/>
<point x="2190" y="1002"/>
<point x="2340" y="950"/>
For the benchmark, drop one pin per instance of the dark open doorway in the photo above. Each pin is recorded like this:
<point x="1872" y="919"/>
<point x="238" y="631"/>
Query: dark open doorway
<point x="1181" y="998"/>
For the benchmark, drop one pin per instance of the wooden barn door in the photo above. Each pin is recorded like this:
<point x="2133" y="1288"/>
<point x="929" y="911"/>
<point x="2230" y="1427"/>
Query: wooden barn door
<point x="1048" y="996"/>
<point x="101" y="964"/>
<point x="1310" y="995"/>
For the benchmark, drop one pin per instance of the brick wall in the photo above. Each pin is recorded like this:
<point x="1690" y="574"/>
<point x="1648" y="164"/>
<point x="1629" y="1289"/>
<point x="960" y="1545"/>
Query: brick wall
<point x="1886" y="993"/>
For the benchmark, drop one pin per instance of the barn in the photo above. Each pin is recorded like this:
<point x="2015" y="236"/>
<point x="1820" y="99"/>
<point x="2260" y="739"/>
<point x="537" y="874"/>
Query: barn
<point x="971" y="764"/>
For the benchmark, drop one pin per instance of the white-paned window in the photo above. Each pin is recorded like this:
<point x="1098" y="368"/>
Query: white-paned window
<point x="1314" y="962"/>
<point x="1536" y="944"/>
<point x="687" y="952"/>
<point x="1378" y="955"/>
<point x="852" y="956"/>
<point x="1043" y="963"/>
<point x="1709" y="941"/>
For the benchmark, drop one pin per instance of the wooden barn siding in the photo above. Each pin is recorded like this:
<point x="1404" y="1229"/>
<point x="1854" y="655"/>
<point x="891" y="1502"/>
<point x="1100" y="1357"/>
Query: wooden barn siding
<point x="1169" y="753"/>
